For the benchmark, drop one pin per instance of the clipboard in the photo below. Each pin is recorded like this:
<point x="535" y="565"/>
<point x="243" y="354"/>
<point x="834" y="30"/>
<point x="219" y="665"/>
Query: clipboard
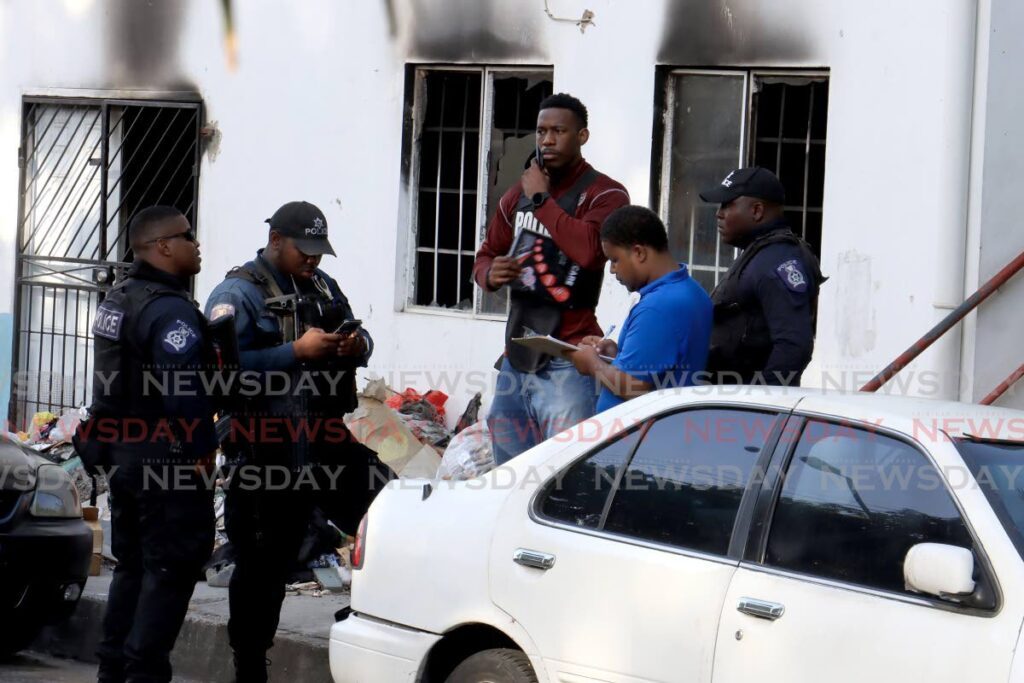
<point x="551" y="346"/>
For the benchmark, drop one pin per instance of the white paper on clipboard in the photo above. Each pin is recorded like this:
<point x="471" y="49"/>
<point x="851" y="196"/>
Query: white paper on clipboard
<point x="551" y="346"/>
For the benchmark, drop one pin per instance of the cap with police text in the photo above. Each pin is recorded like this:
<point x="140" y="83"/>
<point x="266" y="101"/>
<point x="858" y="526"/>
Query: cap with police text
<point x="305" y="224"/>
<point x="754" y="181"/>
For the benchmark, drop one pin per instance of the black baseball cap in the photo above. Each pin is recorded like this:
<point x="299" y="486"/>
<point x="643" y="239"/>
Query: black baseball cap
<point x="752" y="181"/>
<point x="305" y="224"/>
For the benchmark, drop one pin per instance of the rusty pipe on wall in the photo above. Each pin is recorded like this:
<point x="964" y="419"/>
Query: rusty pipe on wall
<point x="955" y="316"/>
<point x="1003" y="386"/>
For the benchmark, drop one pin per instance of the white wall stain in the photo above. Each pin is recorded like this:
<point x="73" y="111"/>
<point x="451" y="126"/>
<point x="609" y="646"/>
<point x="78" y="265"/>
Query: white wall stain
<point x="855" y="328"/>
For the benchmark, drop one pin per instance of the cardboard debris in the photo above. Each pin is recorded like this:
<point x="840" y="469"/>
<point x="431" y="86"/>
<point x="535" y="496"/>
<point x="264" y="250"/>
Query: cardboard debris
<point x="91" y="515"/>
<point x="422" y="465"/>
<point x="381" y="429"/>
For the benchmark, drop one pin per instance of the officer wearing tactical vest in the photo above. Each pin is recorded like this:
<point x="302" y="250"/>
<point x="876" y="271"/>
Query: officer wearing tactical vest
<point x="765" y="306"/>
<point x="544" y="242"/>
<point x="286" y="311"/>
<point x="150" y="334"/>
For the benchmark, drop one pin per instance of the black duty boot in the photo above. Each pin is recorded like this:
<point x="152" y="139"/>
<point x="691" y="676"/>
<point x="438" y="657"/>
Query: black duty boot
<point x="111" y="672"/>
<point x="251" y="668"/>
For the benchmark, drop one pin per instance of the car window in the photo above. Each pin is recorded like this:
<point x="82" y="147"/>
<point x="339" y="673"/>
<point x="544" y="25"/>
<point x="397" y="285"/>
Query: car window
<point x="685" y="482"/>
<point x="997" y="468"/>
<point x="578" y="495"/>
<point x="854" y="502"/>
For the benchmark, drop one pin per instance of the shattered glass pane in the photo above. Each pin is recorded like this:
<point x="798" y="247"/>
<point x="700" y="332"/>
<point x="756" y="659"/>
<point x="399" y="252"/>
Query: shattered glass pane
<point x="707" y="129"/>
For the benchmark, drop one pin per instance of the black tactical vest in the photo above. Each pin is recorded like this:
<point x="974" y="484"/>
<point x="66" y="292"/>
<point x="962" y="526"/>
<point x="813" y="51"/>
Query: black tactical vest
<point x="319" y="400"/>
<point x="119" y="354"/>
<point x="531" y="309"/>
<point x="740" y="340"/>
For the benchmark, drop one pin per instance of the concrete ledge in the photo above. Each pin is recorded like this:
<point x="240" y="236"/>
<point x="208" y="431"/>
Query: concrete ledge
<point x="202" y="651"/>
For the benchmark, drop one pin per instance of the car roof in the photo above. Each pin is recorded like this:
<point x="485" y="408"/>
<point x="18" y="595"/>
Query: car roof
<point x="956" y="419"/>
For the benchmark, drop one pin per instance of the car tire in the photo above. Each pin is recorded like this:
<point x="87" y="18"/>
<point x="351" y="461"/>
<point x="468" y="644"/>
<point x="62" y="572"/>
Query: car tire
<point x="494" y="666"/>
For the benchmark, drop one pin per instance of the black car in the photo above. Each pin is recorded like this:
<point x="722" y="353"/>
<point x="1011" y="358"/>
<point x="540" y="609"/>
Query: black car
<point x="45" y="546"/>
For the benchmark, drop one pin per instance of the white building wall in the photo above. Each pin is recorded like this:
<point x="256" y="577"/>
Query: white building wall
<point x="314" y="111"/>
<point x="996" y="235"/>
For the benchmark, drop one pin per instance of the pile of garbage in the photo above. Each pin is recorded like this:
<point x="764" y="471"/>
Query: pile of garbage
<point x="49" y="435"/>
<point x="407" y="430"/>
<point x="386" y="431"/>
<point x="423" y="415"/>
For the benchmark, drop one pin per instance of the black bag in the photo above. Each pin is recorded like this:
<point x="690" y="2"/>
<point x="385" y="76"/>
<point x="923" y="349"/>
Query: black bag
<point x="538" y="318"/>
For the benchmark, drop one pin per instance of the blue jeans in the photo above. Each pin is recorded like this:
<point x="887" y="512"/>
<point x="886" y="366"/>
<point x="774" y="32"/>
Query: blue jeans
<point x="529" y="408"/>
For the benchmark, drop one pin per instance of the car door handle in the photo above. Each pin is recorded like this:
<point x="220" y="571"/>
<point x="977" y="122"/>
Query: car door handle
<point x="762" y="609"/>
<point x="534" y="558"/>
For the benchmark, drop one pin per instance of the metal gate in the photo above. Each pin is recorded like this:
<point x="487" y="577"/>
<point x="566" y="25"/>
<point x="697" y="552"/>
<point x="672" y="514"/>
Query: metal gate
<point x="87" y="166"/>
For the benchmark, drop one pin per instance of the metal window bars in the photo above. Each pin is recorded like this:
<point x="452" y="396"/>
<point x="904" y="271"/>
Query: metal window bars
<point x="465" y="122"/>
<point x="86" y="167"/>
<point x="789" y="120"/>
<point x="715" y="120"/>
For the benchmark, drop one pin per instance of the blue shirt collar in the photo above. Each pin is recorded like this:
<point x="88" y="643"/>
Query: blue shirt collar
<point x="675" y="276"/>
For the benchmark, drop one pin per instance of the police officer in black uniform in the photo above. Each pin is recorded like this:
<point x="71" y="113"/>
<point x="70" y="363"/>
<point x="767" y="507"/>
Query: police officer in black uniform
<point x="286" y="312"/>
<point x="765" y="306"/>
<point x="152" y="425"/>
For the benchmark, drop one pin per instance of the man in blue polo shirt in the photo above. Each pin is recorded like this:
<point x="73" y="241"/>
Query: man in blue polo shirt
<point x="666" y="335"/>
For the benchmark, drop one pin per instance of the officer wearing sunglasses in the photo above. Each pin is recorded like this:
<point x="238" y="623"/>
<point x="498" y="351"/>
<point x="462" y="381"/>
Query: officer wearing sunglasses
<point x="150" y="334"/>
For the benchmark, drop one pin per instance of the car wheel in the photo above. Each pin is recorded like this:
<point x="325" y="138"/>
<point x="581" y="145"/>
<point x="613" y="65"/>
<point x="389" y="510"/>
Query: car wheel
<point x="494" y="666"/>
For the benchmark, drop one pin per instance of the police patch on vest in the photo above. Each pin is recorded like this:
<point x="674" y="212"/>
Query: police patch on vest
<point x="179" y="337"/>
<point x="792" y="276"/>
<point x="107" y="323"/>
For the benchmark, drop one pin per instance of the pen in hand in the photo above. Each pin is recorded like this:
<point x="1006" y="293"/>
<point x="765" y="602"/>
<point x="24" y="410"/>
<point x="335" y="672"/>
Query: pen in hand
<point x="597" y="343"/>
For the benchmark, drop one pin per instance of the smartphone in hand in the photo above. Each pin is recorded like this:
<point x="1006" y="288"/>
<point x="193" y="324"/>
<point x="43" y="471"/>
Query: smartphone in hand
<point x="348" y="327"/>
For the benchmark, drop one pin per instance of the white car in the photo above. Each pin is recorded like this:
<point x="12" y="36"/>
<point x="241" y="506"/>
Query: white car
<point x="708" y="534"/>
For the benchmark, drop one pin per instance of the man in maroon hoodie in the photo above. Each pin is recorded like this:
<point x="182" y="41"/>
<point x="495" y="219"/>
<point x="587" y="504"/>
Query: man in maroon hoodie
<point x="544" y="242"/>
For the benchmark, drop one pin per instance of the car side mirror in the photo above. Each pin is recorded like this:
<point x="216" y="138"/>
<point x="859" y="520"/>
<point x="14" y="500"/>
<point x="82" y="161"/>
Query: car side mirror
<point x="945" y="571"/>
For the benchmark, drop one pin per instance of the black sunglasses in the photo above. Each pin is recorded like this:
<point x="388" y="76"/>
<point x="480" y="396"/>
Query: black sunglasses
<point x="188" y="235"/>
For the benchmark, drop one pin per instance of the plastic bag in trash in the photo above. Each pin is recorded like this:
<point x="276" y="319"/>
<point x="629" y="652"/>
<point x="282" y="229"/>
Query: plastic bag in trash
<point x="42" y="424"/>
<point x="469" y="454"/>
<point x="66" y="425"/>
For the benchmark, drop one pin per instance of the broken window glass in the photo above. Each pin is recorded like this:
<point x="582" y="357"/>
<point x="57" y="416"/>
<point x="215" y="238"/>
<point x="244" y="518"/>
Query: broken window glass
<point x="707" y="136"/>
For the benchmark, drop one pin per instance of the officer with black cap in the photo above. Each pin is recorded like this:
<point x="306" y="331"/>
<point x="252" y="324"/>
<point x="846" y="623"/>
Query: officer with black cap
<point x="151" y="424"/>
<point x="287" y="314"/>
<point x="765" y="306"/>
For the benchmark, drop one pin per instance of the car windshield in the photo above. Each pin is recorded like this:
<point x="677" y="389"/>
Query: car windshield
<point x="998" y="467"/>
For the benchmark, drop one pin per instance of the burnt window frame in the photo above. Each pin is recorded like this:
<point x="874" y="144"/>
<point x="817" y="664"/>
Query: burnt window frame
<point x="414" y="112"/>
<point x="663" y="136"/>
